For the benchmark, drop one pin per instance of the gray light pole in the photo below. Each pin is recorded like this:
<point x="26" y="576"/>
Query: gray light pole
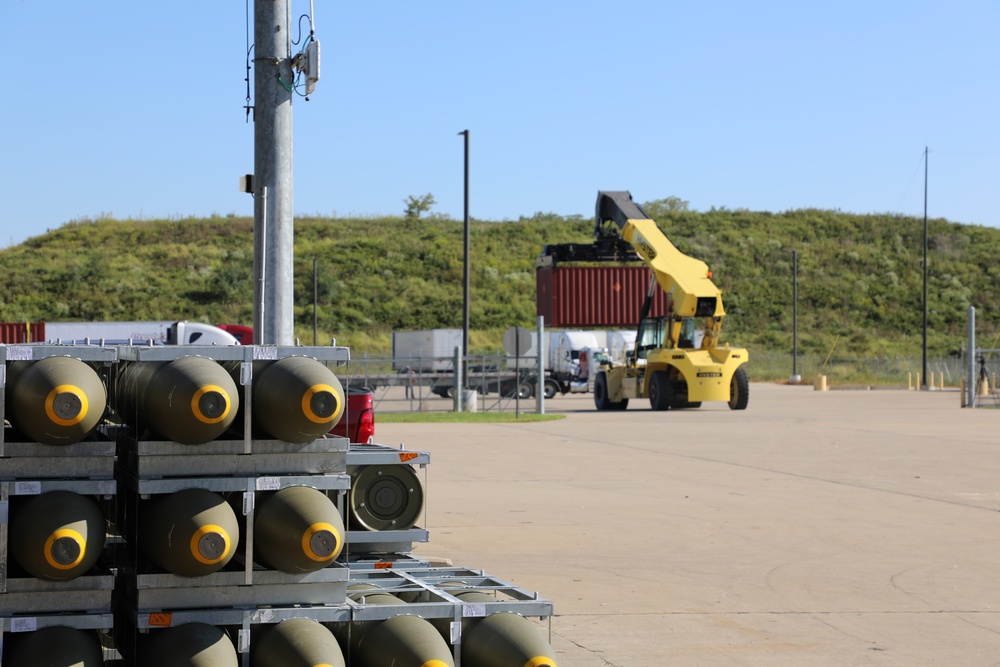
<point x="272" y="185"/>
<point x="315" y="301"/>
<point x="923" y="376"/>
<point x="465" y="273"/>
<point x="796" y="378"/>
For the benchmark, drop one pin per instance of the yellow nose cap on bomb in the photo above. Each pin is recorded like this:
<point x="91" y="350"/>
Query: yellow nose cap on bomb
<point x="210" y="544"/>
<point x="320" y="403"/>
<point x="210" y="404"/>
<point x="65" y="549"/>
<point x="66" y="405"/>
<point x="321" y="542"/>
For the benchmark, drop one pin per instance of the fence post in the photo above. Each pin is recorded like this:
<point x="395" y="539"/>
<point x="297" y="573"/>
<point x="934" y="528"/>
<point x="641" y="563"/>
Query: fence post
<point x="540" y="366"/>
<point x="459" y="380"/>
<point x="970" y="400"/>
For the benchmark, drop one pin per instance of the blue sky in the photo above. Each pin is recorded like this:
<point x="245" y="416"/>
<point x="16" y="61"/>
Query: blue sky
<point x="135" y="109"/>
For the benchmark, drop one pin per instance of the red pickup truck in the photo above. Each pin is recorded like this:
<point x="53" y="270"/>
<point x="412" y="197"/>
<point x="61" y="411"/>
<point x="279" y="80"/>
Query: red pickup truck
<point x="358" y="421"/>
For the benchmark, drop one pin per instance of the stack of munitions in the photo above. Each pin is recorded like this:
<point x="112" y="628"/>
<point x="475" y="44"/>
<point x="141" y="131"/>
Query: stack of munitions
<point x="225" y="506"/>
<point x="229" y="492"/>
<point x="57" y="491"/>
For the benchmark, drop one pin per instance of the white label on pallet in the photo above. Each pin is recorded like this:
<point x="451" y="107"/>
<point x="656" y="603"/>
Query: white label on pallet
<point x="268" y="483"/>
<point x="263" y="615"/>
<point x="18" y="353"/>
<point x="27" y="488"/>
<point x="243" y="641"/>
<point x="264" y="352"/>
<point x="19" y="624"/>
<point x="473" y="610"/>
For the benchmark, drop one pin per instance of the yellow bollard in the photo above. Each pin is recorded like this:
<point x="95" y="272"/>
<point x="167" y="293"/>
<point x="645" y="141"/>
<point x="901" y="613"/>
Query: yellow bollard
<point x="909" y="381"/>
<point x="819" y="384"/>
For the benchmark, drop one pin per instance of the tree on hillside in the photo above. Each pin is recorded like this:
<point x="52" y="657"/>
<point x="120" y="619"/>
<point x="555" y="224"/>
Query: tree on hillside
<point x="659" y="207"/>
<point x="417" y="205"/>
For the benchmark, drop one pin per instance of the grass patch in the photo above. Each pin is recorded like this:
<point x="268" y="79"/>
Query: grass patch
<point x="461" y="417"/>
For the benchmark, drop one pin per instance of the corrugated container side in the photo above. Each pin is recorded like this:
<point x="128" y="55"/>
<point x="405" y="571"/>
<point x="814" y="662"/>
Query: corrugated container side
<point x="18" y="332"/>
<point x="594" y="296"/>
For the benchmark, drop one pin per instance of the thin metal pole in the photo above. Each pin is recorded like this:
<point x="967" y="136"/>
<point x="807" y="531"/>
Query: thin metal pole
<point x="315" y="300"/>
<point x="795" y="315"/>
<point x="923" y="376"/>
<point x="970" y="388"/>
<point x="273" y="242"/>
<point x="540" y="364"/>
<point x="465" y="273"/>
<point x="260" y="268"/>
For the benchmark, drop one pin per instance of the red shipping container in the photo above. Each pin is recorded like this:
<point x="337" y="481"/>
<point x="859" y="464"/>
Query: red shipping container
<point x="594" y="296"/>
<point x="12" y="333"/>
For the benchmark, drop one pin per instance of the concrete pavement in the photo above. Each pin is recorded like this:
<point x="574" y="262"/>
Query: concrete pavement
<point x="831" y="528"/>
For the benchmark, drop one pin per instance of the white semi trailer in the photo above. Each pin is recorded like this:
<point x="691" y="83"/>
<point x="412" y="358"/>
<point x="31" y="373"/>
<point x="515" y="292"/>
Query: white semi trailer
<point x="165" y="332"/>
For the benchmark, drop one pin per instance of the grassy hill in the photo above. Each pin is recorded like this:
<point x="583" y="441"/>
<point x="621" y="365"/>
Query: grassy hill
<point x="860" y="276"/>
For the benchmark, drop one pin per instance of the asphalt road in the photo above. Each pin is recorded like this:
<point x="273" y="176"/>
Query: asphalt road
<point x="819" y="528"/>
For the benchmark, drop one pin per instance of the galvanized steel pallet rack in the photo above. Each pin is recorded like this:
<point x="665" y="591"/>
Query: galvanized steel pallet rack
<point x="244" y="593"/>
<point x="362" y="544"/>
<point x="28" y="469"/>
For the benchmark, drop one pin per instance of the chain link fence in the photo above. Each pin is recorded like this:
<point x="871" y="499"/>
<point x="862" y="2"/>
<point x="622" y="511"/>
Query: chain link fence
<point x="843" y="369"/>
<point x="410" y="385"/>
<point x="428" y="384"/>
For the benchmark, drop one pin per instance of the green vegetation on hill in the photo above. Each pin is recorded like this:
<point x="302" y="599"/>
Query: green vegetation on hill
<point x="860" y="276"/>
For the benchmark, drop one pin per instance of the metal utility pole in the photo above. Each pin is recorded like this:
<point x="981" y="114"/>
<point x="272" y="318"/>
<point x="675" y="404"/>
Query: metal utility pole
<point x="970" y="388"/>
<point x="465" y="273"/>
<point x="272" y="184"/>
<point x="795" y="318"/>
<point x="315" y="302"/>
<point x="923" y="374"/>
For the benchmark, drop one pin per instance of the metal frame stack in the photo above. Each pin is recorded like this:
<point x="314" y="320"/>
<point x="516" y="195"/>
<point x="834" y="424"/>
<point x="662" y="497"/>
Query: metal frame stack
<point x="374" y="538"/>
<point x="245" y="593"/>
<point x="129" y="600"/>
<point x="29" y="469"/>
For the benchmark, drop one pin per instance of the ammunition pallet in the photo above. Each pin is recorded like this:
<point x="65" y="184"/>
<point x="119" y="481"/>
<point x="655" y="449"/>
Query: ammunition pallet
<point x="242" y="582"/>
